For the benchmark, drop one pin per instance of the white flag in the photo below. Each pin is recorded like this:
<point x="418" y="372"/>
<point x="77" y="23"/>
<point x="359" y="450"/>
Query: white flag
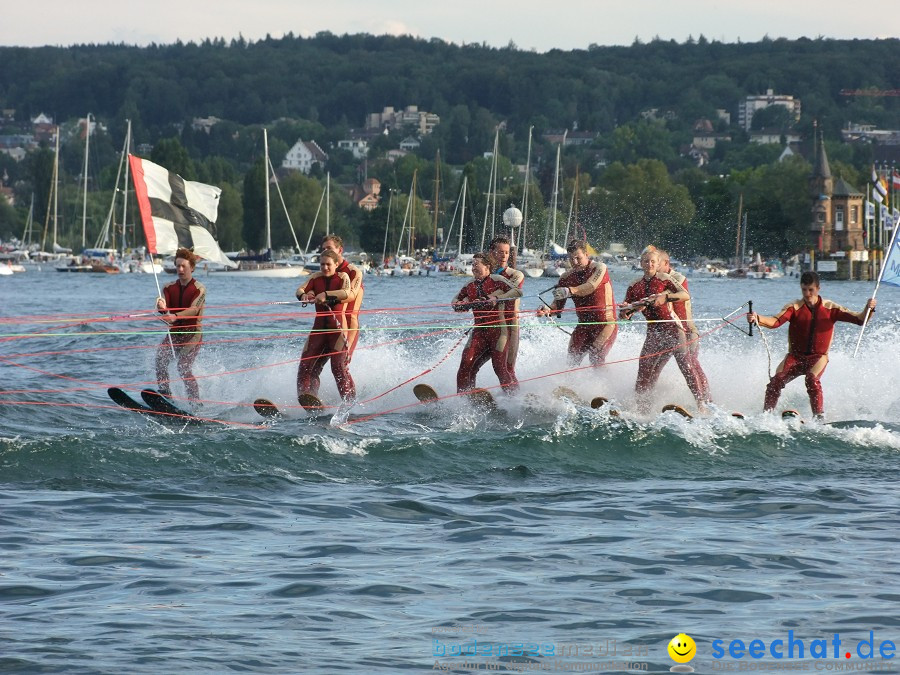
<point x="176" y="212"/>
<point x="890" y="273"/>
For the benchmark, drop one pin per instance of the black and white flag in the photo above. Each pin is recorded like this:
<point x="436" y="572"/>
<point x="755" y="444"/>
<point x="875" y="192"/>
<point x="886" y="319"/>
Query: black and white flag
<point x="176" y="212"/>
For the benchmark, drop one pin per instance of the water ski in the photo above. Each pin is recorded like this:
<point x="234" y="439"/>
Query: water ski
<point x="166" y="408"/>
<point x="120" y="397"/>
<point x="425" y="393"/>
<point x="864" y="424"/>
<point x="790" y="414"/>
<point x="569" y="393"/>
<point x="266" y="409"/>
<point x="599" y="401"/>
<point x="678" y="409"/>
<point x="739" y="415"/>
<point x="311" y="404"/>
<point x="483" y="399"/>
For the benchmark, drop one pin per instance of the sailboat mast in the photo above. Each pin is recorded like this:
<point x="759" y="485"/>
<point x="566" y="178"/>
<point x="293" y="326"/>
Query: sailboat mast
<point x="125" y="191"/>
<point x="522" y="239"/>
<point x="387" y="227"/>
<point x="27" y="236"/>
<point x="737" y="242"/>
<point x="87" y="145"/>
<point x="328" y="204"/>
<point x="412" y="217"/>
<point x="494" y="186"/>
<point x="555" y="200"/>
<point x="437" y="195"/>
<point x="266" y="168"/>
<point x="487" y="201"/>
<point x="462" y="215"/>
<point x="55" y="190"/>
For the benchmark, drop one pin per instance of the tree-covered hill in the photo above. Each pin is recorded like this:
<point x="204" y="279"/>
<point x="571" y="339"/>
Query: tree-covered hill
<point x="331" y="79"/>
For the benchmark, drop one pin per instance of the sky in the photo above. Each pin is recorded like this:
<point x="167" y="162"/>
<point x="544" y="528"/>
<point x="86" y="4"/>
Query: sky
<point x="540" y="25"/>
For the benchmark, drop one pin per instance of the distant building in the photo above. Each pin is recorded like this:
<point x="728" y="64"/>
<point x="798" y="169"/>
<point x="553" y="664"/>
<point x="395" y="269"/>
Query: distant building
<point x="204" y="123"/>
<point x="568" y="137"/>
<point x="366" y="196"/>
<point x="303" y="156"/>
<point x="869" y="133"/>
<point x="43" y="129"/>
<point x="393" y="155"/>
<point x="654" y="114"/>
<point x="410" y="143"/>
<point x="422" y="122"/>
<point x="837" y="210"/>
<point x="705" y="135"/>
<point x="17" y="153"/>
<point x="748" y="107"/>
<point x="772" y="136"/>
<point x="358" y="146"/>
<point x="696" y="154"/>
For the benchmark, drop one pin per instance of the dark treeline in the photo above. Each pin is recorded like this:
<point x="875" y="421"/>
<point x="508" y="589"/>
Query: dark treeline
<point x="322" y="86"/>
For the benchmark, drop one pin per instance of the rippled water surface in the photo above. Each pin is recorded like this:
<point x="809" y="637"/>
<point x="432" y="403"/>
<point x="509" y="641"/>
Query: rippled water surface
<point x="413" y="533"/>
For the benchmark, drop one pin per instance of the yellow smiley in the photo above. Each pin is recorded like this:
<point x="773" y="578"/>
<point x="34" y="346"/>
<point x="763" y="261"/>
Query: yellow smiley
<point x="682" y="648"/>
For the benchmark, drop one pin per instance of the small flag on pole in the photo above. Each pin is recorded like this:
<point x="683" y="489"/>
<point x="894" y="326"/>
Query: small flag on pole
<point x="885" y="217"/>
<point x="870" y="210"/>
<point x="879" y="191"/>
<point x="176" y="212"/>
<point x="895" y="179"/>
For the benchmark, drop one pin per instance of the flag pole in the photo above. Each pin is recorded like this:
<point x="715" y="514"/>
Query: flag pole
<point x="875" y="292"/>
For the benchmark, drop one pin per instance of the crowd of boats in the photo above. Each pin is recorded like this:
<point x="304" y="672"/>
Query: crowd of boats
<point x="16" y="258"/>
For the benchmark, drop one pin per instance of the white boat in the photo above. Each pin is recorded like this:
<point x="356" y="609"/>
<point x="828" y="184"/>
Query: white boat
<point x="148" y="267"/>
<point x="263" y="265"/>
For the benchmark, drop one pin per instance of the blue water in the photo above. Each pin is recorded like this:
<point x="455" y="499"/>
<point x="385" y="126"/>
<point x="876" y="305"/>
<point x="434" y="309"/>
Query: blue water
<point x="393" y="543"/>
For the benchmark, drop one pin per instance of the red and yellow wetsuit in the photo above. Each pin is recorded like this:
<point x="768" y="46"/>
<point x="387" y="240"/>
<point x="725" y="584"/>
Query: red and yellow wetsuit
<point x="185" y="335"/>
<point x="352" y="301"/>
<point x="328" y="338"/>
<point x="809" y="338"/>
<point x="510" y="314"/>
<point x="664" y="339"/>
<point x="592" y="294"/>
<point x="489" y="336"/>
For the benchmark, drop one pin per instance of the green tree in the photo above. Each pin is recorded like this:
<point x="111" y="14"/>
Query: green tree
<point x="171" y="154"/>
<point x="254" y="206"/>
<point x="639" y="204"/>
<point x="230" y="219"/>
<point x="9" y="220"/>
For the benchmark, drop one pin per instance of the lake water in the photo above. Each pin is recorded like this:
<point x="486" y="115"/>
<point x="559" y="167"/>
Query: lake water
<point x="547" y="537"/>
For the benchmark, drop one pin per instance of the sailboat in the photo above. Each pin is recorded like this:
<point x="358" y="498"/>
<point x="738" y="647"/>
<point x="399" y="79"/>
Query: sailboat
<point x="527" y="260"/>
<point x="553" y="252"/>
<point x="263" y="265"/>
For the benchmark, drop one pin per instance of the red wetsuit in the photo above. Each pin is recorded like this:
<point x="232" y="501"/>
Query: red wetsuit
<point x="592" y="295"/>
<point x="664" y="340"/>
<point x="489" y="336"/>
<point x="185" y="335"/>
<point x="510" y="314"/>
<point x="328" y="338"/>
<point x="809" y="338"/>
<point x="684" y="310"/>
<point x="352" y="301"/>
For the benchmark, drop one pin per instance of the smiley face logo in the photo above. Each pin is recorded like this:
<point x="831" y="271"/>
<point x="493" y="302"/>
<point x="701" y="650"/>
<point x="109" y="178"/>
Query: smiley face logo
<point x="682" y="648"/>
